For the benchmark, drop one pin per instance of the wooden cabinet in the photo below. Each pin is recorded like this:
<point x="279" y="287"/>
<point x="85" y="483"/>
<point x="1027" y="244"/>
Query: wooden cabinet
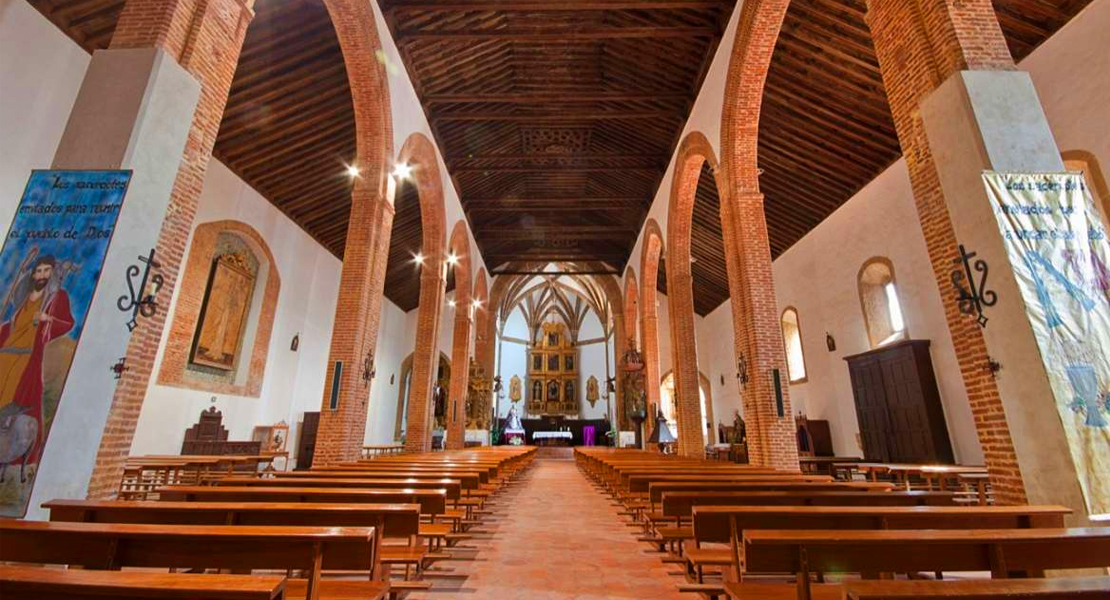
<point x="306" y="444"/>
<point x="898" y="405"/>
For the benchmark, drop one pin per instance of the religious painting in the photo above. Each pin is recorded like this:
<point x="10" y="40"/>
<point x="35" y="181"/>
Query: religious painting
<point x="537" y="362"/>
<point x="592" y="394"/>
<point x="569" y="394"/>
<point x="552" y="339"/>
<point x="568" y="362"/>
<point x="553" y="363"/>
<point x="552" y="391"/>
<point x="50" y="266"/>
<point x="223" y="315"/>
<point x="514" y="389"/>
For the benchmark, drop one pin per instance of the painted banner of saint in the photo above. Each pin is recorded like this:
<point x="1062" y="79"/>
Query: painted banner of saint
<point x="49" y="268"/>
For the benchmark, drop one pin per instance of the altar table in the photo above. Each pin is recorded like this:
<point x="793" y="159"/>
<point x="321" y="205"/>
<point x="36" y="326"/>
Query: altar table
<point x="546" y="438"/>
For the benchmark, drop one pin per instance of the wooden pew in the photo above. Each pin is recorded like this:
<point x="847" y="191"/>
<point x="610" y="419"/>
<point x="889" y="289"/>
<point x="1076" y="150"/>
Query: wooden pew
<point x="396" y="521"/>
<point x="37" y="583"/>
<point x="726" y="524"/>
<point x="432" y="502"/>
<point x="1080" y="588"/>
<point x="110" y="546"/>
<point x="1000" y="551"/>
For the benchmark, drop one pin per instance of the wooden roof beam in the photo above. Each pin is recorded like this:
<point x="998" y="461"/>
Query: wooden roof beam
<point x="549" y="6"/>
<point x="538" y="98"/>
<point x="568" y="116"/>
<point x="583" y="34"/>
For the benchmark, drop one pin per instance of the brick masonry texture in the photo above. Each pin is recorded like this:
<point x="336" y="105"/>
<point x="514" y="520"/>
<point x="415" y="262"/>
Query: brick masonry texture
<point x="175" y="359"/>
<point x="652" y="251"/>
<point x="460" y="339"/>
<point x="205" y="36"/>
<point x="920" y="44"/>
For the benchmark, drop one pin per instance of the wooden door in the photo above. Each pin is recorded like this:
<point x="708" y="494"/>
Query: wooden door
<point x="871" y="410"/>
<point x="306" y="444"/>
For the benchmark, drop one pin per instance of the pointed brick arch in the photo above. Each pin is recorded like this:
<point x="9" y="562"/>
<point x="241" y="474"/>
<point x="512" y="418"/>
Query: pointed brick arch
<point x="652" y="252"/>
<point x="459" y="247"/>
<point x="419" y="153"/>
<point x="694" y="151"/>
<point x="757" y="335"/>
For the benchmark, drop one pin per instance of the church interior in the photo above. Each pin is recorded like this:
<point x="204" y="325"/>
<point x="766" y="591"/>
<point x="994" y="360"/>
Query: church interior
<point x="560" y="299"/>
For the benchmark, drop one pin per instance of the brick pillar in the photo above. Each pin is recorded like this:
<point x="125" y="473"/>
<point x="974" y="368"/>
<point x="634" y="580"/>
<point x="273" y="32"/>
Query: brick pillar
<point x="425" y="356"/>
<point x="920" y="44"/>
<point x="758" y="338"/>
<point x="685" y="352"/>
<point x="205" y="38"/>
<point x="355" y="332"/>
<point x="650" y="326"/>
<point x="460" y="375"/>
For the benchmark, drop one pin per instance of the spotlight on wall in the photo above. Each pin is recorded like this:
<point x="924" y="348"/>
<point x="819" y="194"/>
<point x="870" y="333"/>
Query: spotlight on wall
<point x="452" y="259"/>
<point x="477" y="303"/>
<point x="418" y="258"/>
<point x="402" y="170"/>
<point x="352" y="171"/>
<point x="451" y="303"/>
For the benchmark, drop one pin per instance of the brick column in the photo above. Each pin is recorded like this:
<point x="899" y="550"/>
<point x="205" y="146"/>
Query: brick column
<point x="684" y="350"/>
<point x="758" y="338"/>
<point x="920" y="44"/>
<point x="205" y="38"/>
<point x="425" y="356"/>
<point x="355" y="332"/>
<point x="460" y="375"/>
<point x="650" y="326"/>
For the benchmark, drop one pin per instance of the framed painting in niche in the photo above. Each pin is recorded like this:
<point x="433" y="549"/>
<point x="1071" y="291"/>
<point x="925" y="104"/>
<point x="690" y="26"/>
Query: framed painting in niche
<point x="568" y="362"/>
<point x="223" y="313"/>
<point x="537" y="362"/>
<point x="553" y="363"/>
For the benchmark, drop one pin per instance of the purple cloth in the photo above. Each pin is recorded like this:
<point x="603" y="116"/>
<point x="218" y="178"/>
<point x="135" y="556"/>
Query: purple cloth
<point x="588" y="435"/>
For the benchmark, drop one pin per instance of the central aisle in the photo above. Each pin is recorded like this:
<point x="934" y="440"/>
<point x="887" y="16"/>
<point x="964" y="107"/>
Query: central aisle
<point x="555" y="537"/>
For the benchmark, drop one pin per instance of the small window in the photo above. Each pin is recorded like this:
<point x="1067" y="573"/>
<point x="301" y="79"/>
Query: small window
<point x="792" y="338"/>
<point x="882" y="311"/>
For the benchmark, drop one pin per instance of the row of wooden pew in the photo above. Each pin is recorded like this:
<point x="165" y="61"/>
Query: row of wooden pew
<point x="365" y="529"/>
<point x="737" y="529"/>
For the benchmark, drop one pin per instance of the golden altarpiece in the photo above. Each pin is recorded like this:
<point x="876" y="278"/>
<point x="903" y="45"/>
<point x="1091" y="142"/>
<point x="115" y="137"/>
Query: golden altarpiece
<point x="553" y="374"/>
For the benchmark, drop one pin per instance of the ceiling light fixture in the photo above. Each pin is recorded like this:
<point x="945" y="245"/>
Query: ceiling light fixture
<point x="452" y="259"/>
<point x="451" y="303"/>
<point x="477" y="303"/>
<point x="418" y="258"/>
<point x="402" y="170"/>
<point x="352" y="171"/>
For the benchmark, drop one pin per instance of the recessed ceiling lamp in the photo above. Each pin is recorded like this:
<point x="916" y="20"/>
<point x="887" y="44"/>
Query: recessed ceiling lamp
<point x="418" y="258"/>
<point x="452" y="259"/>
<point x="451" y="303"/>
<point x="402" y="170"/>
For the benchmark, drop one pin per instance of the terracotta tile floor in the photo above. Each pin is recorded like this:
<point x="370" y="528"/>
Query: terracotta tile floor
<point x="554" y="536"/>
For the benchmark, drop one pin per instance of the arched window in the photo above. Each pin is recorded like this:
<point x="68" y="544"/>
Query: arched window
<point x="668" y="404"/>
<point x="878" y="295"/>
<point x="792" y="338"/>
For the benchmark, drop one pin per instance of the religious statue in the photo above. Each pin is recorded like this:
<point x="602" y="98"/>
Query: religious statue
<point x="514" y="389"/>
<point x="739" y="430"/>
<point x="591" y="390"/>
<point x="512" y="421"/>
<point x="633" y="398"/>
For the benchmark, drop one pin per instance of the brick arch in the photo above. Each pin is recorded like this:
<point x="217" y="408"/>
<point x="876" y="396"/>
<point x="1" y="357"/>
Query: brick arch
<point x="483" y="342"/>
<point x="694" y="151"/>
<point x="756" y="331"/>
<point x="653" y="250"/>
<point x="173" y="370"/>
<point x="459" y="246"/>
<point x="357" y="32"/>
<point x="756" y="35"/>
<point x="419" y="152"/>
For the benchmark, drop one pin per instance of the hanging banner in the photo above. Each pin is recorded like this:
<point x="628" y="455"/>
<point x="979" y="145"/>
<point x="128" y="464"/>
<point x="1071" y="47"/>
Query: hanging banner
<point x="1057" y="246"/>
<point x="49" y="267"/>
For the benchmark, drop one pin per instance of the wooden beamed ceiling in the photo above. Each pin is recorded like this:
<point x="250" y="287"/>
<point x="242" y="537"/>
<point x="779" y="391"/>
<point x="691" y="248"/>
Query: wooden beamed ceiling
<point x="557" y="118"/>
<point x="825" y="128"/>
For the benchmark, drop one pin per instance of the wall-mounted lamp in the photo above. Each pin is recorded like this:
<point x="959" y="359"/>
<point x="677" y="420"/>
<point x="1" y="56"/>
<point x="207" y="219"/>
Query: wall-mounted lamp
<point x="368" y="371"/>
<point x="830" y="342"/>
<point x="296" y="343"/>
<point x="402" y="170"/>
